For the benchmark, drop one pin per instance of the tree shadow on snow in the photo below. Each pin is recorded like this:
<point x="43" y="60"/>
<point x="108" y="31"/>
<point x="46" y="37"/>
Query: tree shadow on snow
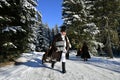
<point x="37" y="63"/>
<point x="105" y="64"/>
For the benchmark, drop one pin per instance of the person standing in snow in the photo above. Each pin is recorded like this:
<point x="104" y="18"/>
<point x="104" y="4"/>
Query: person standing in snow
<point x="99" y="50"/>
<point x="60" y="46"/>
<point x="85" y="53"/>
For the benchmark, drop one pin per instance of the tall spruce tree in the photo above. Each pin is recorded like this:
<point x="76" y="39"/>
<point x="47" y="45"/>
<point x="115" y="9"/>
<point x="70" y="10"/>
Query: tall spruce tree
<point x="76" y="17"/>
<point x="17" y="18"/>
<point x="105" y="15"/>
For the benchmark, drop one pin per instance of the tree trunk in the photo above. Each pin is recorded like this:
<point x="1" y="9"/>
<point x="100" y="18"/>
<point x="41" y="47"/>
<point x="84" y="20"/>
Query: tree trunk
<point x="108" y="44"/>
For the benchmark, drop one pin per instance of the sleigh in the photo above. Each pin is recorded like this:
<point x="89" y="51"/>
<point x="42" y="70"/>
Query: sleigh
<point x="46" y="58"/>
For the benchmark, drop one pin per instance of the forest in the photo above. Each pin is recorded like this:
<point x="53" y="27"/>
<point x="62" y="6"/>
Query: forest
<point x="94" y="21"/>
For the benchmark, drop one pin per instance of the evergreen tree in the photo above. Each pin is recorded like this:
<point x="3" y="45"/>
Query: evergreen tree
<point x="43" y="37"/>
<point x="32" y="16"/>
<point x="17" y="18"/>
<point x="52" y="33"/>
<point x="105" y="15"/>
<point x="76" y="17"/>
<point x="55" y="30"/>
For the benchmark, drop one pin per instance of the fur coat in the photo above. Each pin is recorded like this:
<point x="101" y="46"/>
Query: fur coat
<point x="55" y="54"/>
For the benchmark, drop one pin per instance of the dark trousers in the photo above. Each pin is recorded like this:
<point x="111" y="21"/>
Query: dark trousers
<point x="67" y="55"/>
<point x="63" y="67"/>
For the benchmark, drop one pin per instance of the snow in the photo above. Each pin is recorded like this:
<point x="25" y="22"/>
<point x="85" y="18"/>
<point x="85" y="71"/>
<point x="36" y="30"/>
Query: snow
<point x="65" y="2"/>
<point x="5" y="2"/>
<point x="92" y="28"/>
<point x="21" y="59"/>
<point x="96" y="68"/>
<point x="29" y="6"/>
<point x="72" y="1"/>
<point x="9" y="44"/>
<point x="82" y="4"/>
<point x="76" y="16"/>
<point x="33" y="2"/>
<point x="13" y="29"/>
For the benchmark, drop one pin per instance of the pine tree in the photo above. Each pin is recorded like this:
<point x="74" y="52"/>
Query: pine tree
<point x="106" y="14"/>
<point x="33" y="20"/>
<point x="43" y="37"/>
<point x="55" y="30"/>
<point x="76" y="17"/>
<point x="17" y="18"/>
<point x="10" y="27"/>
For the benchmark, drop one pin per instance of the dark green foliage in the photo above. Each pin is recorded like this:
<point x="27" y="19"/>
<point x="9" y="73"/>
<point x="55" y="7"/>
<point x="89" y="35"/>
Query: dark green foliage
<point x="43" y="37"/>
<point x="106" y="15"/>
<point x="75" y="18"/>
<point x="16" y="27"/>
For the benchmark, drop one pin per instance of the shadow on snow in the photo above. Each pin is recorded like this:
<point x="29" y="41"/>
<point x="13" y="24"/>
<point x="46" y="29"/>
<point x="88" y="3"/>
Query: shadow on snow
<point x="34" y="63"/>
<point x="99" y="62"/>
<point x="37" y="63"/>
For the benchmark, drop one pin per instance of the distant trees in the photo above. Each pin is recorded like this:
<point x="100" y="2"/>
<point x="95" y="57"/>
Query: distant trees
<point x="55" y="30"/>
<point x="44" y="37"/>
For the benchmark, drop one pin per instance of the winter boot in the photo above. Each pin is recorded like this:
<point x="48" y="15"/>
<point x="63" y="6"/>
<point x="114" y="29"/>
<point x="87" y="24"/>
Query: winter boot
<point x="52" y="65"/>
<point x="63" y="67"/>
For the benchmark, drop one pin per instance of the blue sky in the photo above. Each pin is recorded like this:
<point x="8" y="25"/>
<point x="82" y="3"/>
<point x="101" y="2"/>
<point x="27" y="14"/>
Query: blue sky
<point x="51" y="11"/>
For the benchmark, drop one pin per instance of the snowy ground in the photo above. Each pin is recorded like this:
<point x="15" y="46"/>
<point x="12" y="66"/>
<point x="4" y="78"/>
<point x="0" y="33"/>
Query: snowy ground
<point x="95" y="69"/>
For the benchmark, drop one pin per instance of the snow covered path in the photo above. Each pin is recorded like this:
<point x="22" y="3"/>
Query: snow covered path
<point x="94" y="69"/>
